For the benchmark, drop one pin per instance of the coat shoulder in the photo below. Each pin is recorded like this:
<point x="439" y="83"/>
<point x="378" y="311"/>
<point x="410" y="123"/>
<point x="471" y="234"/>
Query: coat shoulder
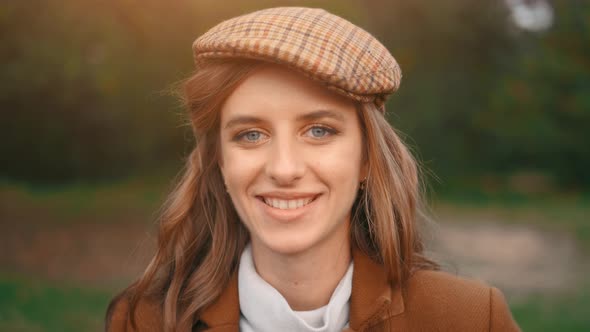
<point x="148" y="315"/>
<point x="446" y="287"/>
<point x="459" y="304"/>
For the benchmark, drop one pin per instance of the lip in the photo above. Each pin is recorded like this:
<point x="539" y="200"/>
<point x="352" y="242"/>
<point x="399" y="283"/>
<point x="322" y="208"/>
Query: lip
<point x="287" y="215"/>
<point x="287" y="195"/>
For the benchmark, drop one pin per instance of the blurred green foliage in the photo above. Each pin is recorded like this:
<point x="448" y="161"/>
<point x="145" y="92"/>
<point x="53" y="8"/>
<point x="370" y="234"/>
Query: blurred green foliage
<point x="28" y="304"/>
<point x="84" y="85"/>
<point x="128" y="201"/>
<point x="563" y="313"/>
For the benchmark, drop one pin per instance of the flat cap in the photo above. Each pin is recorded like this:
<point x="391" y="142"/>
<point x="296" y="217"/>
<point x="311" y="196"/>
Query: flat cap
<point x="320" y="45"/>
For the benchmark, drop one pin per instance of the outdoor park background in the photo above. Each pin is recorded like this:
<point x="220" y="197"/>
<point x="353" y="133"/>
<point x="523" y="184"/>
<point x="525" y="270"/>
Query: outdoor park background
<point x="495" y="102"/>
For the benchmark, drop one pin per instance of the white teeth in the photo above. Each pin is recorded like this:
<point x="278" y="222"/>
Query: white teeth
<point x="284" y="204"/>
<point x="287" y="204"/>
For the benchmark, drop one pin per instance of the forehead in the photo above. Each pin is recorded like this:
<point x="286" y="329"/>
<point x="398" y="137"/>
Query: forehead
<point x="276" y="90"/>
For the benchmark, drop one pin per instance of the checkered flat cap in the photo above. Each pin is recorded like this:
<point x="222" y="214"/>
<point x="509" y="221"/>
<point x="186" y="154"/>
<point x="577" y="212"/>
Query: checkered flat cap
<point x="322" y="46"/>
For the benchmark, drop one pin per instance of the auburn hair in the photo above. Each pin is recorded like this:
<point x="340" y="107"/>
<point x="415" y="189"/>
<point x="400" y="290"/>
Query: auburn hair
<point x="201" y="237"/>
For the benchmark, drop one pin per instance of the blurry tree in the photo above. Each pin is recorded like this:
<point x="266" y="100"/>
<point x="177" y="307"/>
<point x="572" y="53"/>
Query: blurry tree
<point x="81" y="84"/>
<point x="450" y="53"/>
<point x="479" y="96"/>
<point x="539" y="108"/>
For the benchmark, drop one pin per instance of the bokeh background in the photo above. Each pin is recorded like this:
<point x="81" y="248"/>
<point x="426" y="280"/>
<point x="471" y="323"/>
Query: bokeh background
<point x="495" y="102"/>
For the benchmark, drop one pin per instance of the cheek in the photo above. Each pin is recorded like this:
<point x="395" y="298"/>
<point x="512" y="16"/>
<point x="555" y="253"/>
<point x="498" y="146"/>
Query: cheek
<point x="341" y="163"/>
<point x="239" y="169"/>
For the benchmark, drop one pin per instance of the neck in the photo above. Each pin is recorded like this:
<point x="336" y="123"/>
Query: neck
<point x="307" y="279"/>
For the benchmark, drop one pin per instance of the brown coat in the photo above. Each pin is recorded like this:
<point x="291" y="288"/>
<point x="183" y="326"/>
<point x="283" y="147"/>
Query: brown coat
<point x="431" y="301"/>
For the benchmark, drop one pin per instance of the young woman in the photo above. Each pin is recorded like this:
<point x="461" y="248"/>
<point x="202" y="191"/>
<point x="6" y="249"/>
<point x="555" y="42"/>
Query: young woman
<point x="299" y="205"/>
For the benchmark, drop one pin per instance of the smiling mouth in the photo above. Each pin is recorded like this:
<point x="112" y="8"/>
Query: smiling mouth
<point x="287" y="204"/>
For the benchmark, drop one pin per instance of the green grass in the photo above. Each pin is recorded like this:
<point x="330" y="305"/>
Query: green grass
<point x="559" y="313"/>
<point x="33" y="305"/>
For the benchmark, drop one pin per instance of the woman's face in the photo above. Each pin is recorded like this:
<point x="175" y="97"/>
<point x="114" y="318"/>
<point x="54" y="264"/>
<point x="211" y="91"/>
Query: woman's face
<point x="291" y="158"/>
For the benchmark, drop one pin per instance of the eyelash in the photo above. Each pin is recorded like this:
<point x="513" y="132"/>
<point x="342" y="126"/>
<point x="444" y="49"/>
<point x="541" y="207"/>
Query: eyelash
<point x="329" y="132"/>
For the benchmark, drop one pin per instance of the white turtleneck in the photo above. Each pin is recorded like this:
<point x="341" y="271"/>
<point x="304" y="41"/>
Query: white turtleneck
<point x="264" y="309"/>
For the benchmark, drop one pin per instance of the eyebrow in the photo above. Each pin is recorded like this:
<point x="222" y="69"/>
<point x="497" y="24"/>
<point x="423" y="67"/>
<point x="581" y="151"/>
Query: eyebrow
<point x="320" y="114"/>
<point x="242" y="119"/>
<point x="312" y="116"/>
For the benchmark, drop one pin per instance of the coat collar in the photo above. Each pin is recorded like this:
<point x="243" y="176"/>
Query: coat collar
<point x="372" y="299"/>
<point x="225" y="311"/>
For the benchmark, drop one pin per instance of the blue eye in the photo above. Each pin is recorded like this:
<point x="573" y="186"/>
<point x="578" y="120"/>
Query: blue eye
<point x="320" y="131"/>
<point x="252" y="136"/>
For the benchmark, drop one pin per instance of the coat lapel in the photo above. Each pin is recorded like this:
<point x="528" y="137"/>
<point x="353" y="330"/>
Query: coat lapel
<point x="224" y="314"/>
<point x="373" y="299"/>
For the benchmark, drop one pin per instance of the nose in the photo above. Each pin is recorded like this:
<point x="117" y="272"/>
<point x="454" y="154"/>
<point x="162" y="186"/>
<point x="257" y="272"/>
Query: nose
<point x="285" y="163"/>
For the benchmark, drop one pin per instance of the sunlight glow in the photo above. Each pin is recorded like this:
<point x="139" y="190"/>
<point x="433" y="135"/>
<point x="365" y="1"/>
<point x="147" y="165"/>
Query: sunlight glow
<point x="532" y="15"/>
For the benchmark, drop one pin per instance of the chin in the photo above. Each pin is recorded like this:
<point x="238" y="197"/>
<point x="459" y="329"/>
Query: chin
<point x="288" y="245"/>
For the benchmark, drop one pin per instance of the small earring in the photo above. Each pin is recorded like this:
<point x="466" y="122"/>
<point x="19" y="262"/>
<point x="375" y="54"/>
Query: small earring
<point x="363" y="184"/>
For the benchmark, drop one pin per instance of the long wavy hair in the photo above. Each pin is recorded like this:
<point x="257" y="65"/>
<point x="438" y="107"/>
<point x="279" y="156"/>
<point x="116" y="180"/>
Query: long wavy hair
<point x="200" y="236"/>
